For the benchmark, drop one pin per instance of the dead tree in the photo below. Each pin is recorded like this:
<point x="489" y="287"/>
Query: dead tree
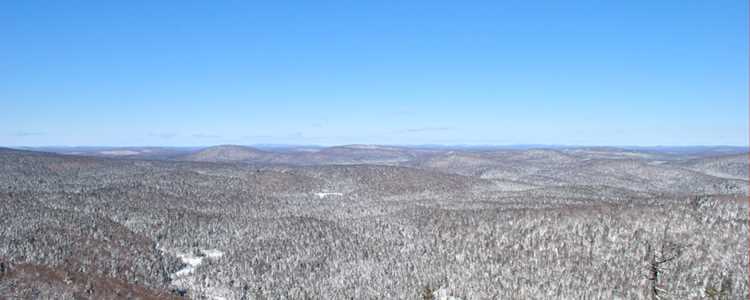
<point x="656" y="264"/>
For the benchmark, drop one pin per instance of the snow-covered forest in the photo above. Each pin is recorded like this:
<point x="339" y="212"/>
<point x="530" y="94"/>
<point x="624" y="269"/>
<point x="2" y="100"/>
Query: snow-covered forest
<point x="374" y="223"/>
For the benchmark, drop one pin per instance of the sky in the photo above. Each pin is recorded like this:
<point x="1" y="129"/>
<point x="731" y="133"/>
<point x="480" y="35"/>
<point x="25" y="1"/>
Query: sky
<point x="195" y="73"/>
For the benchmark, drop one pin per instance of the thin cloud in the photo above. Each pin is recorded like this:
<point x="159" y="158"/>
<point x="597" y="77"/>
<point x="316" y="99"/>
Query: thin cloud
<point x="29" y="133"/>
<point x="424" y="129"/>
<point x="164" y="135"/>
<point x="296" y="135"/>
<point x="257" y="137"/>
<point x="205" y="136"/>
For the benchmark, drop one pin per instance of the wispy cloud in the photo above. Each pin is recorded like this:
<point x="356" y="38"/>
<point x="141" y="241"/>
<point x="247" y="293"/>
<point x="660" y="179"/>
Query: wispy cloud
<point x="423" y="129"/>
<point x="164" y="135"/>
<point x="29" y="133"/>
<point x="251" y="137"/>
<point x="293" y="135"/>
<point x="205" y="136"/>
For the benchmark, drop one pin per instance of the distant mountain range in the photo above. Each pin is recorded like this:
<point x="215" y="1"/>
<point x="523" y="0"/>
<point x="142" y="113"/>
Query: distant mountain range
<point x="312" y="154"/>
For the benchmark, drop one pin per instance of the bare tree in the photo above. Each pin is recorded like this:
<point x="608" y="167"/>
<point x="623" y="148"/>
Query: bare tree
<point x="656" y="263"/>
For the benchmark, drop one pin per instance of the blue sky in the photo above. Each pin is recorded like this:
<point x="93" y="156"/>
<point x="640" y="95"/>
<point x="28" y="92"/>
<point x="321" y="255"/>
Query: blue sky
<point x="187" y="73"/>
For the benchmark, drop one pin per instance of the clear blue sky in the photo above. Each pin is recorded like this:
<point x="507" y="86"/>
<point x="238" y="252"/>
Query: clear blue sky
<point x="186" y="73"/>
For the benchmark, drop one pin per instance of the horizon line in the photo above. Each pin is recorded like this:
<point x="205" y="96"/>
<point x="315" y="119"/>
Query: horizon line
<point x="393" y="145"/>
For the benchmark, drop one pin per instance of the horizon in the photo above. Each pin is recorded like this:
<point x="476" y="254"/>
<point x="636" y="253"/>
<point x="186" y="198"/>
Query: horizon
<point x="528" y="146"/>
<point x="336" y="73"/>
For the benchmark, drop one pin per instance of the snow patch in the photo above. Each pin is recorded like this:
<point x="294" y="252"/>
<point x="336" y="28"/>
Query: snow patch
<point x="184" y="278"/>
<point x="322" y="195"/>
<point x="192" y="261"/>
<point x="722" y="175"/>
<point x="213" y="253"/>
<point x="443" y="294"/>
<point x="119" y="152"/>
<point x="184" y="272"/>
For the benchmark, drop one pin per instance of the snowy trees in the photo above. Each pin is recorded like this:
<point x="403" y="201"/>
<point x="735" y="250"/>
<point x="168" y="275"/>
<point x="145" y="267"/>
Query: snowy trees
<point x="394" y="232"/>
<point x="657" y="260"/>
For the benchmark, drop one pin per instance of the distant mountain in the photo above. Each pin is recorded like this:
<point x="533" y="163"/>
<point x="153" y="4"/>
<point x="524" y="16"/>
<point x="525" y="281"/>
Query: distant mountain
<point x="693" y="150"/>
<point x="152" y="153"/>
<point x="228" y="153"/>
<point x="350" y="154"/>
<point x="725" y="166"/>
<point x="362" y="154"/>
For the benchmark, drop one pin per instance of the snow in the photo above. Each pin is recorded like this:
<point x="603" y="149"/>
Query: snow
<point x="184" y="272"/>
<point x="322" y="195"/>
<point x="213" y="253"/>
<point x="362" y="146"/>
<point x="193" y="261"/>
<point x="185" y="278"/>
<point x="442" y="294"/>
<point x="119" y="152"/>
<point x="722" y="175"/>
